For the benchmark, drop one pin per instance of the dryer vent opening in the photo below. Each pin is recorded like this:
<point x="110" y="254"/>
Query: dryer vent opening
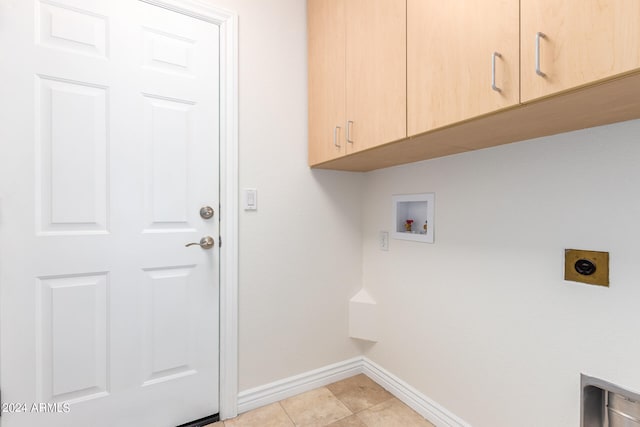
<point x="604" y="404"/>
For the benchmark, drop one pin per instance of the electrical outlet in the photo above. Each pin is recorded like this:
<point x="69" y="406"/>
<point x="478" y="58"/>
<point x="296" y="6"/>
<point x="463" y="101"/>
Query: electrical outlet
<point x="383" y="240"/>
<point x="590" y="267"/>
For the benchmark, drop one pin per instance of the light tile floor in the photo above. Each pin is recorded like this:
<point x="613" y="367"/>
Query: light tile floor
<point x="354" y="402"/>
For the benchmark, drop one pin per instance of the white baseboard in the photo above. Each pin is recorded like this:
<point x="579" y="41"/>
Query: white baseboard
<point x="288" y="387"/>
<point x="417" y="401"/>
<point x="282" y="389"/>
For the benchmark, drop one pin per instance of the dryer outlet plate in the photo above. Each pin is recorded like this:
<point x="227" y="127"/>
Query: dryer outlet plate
<point x="590" y="267"/>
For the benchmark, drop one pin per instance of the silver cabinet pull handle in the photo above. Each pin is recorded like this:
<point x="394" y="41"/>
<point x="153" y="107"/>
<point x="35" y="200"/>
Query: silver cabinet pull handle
<point x="493" y="71"/>
<point x="205" y="243"/>
<point x="539" y="36"/>
<point x="335" y="136"/>
<point x="349" y="123"/>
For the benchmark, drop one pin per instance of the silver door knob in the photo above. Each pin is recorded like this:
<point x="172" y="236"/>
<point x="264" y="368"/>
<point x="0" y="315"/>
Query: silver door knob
<point x="205" y="243"/>
<point x="206" y="212"/>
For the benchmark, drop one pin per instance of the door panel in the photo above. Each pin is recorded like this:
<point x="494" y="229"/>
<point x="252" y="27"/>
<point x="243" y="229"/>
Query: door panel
<point x="110" y="150"/>
<point x="71" y="162"/>
<point x="585" y="41"/>
<point x="166" y="124"/>
<point x="71" y="329"/>
<point x="166" y="340"/>
<point x="66" y="27"/>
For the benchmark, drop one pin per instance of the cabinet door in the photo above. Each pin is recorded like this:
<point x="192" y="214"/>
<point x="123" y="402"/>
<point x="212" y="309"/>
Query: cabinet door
<point x="376" y="72"/>
<point x="584" y="41"/>
<point x="454" y="48"/>
<point x="326" y="50"/>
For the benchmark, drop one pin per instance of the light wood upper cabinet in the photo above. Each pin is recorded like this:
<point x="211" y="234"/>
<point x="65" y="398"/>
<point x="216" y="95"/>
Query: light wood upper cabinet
<point x="357" y="75"/>
<point x="376" y="78"/>
<point x="452" y="47"/>
<point x="584" y="41"/>
<point x="327" y="96"/>
<point x="397" y="81"/>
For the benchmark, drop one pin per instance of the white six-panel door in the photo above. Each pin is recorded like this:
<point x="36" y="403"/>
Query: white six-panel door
<point x="109" y="148"/>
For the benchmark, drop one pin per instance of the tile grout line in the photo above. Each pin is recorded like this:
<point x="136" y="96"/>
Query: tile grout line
<point x="343" y="404"/>
<point x="370" y="407"/>
<point x="286" y="413"/>
<point x="362" y="410"/>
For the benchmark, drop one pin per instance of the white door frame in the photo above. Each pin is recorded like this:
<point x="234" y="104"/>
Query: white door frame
<point x="227" y="21"/>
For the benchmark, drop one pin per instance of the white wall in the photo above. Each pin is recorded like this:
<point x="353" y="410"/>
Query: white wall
<point x="482" y="321"/>
<point x="301" y="252"/>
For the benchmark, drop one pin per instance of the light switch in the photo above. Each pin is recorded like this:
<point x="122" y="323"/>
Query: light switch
<point x="250" y="199"/>
<point x="383" y="240"/>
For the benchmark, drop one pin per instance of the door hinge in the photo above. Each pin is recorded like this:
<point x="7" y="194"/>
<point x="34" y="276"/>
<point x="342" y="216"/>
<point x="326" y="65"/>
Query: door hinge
<point x="219" y="241"/>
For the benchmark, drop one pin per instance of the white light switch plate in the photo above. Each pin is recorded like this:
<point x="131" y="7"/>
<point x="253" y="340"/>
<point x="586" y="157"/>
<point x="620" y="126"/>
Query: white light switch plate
<point x="383" y="240"/>
<point x="250" y="199"/>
